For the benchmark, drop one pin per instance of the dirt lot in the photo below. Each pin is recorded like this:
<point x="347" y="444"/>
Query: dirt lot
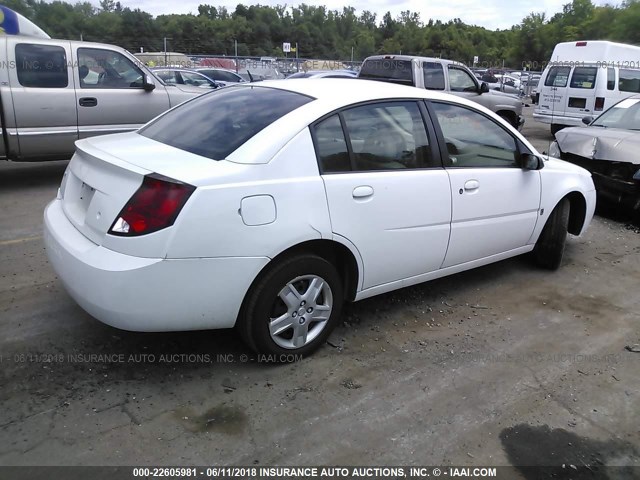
<point x="504" y="365"/>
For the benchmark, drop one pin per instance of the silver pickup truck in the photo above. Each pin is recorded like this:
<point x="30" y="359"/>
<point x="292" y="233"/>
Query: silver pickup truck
<point x="445" y="75"/>
<point x="54" y="92"/>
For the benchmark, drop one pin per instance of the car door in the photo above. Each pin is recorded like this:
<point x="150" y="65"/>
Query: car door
<point x="553" y="91"/>
<point x="495" y="202"/>
<point x="386" y="189"/>
<point x="111" y="97"/>
<point x="581" y="90"/>
<point x="44" y="104"/>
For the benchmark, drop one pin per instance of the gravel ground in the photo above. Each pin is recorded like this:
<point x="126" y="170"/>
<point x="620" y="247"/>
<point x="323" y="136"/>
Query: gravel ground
<point x="503" y="365"/>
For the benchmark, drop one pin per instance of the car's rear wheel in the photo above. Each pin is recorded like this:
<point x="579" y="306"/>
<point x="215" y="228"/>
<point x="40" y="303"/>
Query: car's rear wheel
<point x="293" y="307"/>
<point x="549" y="248"/>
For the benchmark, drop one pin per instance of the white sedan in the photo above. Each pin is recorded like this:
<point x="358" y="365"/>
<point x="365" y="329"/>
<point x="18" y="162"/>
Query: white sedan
<point x="266" y="206"/>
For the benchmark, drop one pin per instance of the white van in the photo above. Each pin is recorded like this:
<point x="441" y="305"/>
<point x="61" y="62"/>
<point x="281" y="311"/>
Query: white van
<point x="585" y="78"/>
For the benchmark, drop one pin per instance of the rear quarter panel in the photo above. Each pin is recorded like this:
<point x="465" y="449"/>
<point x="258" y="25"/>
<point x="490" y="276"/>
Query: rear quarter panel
<point x="212" y="223"/>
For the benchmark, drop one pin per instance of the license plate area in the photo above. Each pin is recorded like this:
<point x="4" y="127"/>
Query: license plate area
<point x="77" y="198"/>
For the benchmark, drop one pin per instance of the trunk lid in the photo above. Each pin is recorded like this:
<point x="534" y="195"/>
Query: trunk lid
<point x="106" y="171"/>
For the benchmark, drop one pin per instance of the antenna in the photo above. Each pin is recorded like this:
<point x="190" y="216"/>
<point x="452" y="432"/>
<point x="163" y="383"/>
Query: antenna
<point x="554" y="89"/>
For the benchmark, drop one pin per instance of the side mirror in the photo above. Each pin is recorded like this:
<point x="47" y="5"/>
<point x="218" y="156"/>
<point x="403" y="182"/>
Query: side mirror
<point x="484" y="88"/>
<point x="587" y="120"/>
<point x="529" y="161"/>
<point x="148" y="84"/>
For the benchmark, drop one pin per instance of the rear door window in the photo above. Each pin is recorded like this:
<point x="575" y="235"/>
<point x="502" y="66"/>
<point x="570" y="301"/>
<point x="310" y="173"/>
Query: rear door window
<point x="380" y="136"/>
<point x="331" y="146"/>
<point x="433" y="76"/>
<point x="41" y="66"/>
<point x="557" y="77"/>
<point x="584" y="77"/>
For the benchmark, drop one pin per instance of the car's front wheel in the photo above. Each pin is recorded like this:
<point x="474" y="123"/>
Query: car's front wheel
<point x="293" y="307"/>
<point x="549" y="248"/>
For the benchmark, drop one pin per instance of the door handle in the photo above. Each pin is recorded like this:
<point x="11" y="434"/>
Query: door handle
<point x="471" y="185"/>
<point x="88" y="102"/>
<point x="362" y="191"/>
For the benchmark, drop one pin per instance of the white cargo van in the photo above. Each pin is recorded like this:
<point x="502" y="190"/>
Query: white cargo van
<point x="585" y="78"/>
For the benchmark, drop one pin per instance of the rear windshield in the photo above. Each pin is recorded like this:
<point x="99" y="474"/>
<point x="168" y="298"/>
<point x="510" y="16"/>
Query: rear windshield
<point x="216" y="124"/>
<point x="300" y="75"/>
<point x="220" y="75"/>
<point x="398" y="71"/>
<point x="584" y="77"/>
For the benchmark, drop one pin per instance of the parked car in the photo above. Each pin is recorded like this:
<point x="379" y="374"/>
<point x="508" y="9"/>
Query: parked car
<point x="532" y="87"/>
<point x="183" y="76"/>
<point x="86" y="89"/>
<point x="295" y="196"/>
<point x="325" y="74"/>
<point x="444" y="75"/>
<point x="507" y="84"/>
<point x="608" y="148"/>
<point x="221" y="76"/>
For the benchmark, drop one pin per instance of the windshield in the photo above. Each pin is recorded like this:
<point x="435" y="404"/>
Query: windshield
<point x="216" y="124"/>
<point x="624" y="114"/>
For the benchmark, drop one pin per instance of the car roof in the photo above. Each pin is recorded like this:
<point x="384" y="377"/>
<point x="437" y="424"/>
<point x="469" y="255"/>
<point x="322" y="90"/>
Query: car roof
<point x="180" y="69"/>
<point x="413" y="57"/>
<point x="345" y="91"/>
<point x="330" y="94"/>
<point x="215" y="68"/>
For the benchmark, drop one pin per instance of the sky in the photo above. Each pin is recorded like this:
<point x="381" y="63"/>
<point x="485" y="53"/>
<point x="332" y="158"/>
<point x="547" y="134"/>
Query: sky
<point x="491" y="14"/>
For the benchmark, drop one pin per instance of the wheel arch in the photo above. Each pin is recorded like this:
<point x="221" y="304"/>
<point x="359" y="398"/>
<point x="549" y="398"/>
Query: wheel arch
<point x="509" y="115"/>
<point x="577" y="212"/>
<point x="339" y="253"/>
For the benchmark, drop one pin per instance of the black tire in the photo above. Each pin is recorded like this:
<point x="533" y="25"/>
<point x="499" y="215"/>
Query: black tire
<point x="549" y="248"/>
<point x="263" y="304"/>
<point x="509" y="118"/>
<point x="555" y="128"/>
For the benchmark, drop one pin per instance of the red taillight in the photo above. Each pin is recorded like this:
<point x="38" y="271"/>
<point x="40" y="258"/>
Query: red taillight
<point x="599" y="103"/>
<point x="155" y="205"/>
<point x="581" y="44"/>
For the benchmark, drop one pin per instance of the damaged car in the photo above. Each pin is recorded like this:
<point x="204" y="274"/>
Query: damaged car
<point x="609" y="147"/>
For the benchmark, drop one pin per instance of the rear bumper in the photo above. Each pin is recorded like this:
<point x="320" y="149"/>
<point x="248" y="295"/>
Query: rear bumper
<point x="146" y="294"/>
